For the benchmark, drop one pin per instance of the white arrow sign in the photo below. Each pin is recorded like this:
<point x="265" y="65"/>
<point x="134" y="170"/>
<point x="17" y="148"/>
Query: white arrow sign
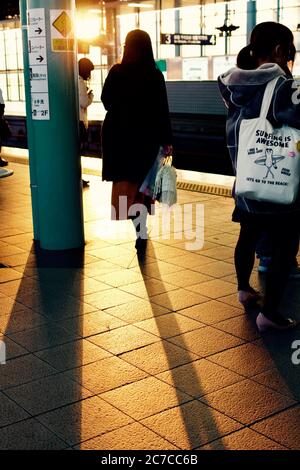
<point x="36" y="22"/>
<point x="37" y="51"/>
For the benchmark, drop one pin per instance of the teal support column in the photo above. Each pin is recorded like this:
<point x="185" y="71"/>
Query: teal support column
<point x="226" y="37"/>
<point x="278" y="13"/>
<point x="51" y="80"/>
<point x="251" y="17"/>
<point x="30" y="131"/>
<point x="201" y="26"/>
<point x="177" y="4"/>
<point x="138" y="12"/>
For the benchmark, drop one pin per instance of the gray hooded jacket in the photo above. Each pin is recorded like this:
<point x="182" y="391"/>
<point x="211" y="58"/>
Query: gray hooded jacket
<point x="242" y="92"/>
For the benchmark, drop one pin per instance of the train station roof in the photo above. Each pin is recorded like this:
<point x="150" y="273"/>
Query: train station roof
<point x="10" y="8"/>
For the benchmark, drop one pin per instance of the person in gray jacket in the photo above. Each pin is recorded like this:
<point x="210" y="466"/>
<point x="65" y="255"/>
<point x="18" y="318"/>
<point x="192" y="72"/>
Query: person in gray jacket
<point x="243" y="90"/>
<point x="263" y="247"/>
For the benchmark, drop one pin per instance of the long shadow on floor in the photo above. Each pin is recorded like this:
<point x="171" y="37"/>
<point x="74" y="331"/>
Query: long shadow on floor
<point x="280" y="343"/>
<point x="40" y="381"/>
<point x="196" y="425"/>
<point x="283" y="348"/>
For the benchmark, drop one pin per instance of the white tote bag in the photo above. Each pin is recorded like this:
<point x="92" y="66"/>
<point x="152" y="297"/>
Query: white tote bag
<point x="268" y="160"/>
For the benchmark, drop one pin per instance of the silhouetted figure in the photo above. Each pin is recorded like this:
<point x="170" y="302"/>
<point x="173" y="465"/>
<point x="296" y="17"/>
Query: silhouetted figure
<point x="137" y="123"/>
<point x="86" y="97"/>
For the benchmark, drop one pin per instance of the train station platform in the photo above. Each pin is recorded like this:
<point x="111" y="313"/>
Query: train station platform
<point x="188" y="180"/>
<point x="107" y="351"/>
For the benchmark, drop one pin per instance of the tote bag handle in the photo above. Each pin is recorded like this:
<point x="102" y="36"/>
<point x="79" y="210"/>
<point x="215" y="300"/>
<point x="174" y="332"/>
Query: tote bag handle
<point x="266" y="102"/>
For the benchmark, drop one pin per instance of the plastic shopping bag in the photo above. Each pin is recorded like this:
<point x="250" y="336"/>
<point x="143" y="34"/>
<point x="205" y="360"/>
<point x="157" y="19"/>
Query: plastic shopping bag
<point x="165" y="190"/>
<point x="148" y="184"/>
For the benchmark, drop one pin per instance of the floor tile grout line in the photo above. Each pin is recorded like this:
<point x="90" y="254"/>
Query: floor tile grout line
<point x="242" y="377"/>
<point x="248" y="377"/>
<point x="237" y="420"/>
<point x="273" y="388"/>
<point x="181" y="312"/>
<point x="269" y="437"/>
<point x="171" y="336"/>
<point x="53" y="373"/>
<point x="117" y="354"/>
<point x="273" y="414"/>
<point x="215" y="325"/>
<point x="30" y="417"/>
<point x="99" y="395"/>
<point x="211" y="354"/>
<point x="122" y="427"/>
<point x="244" y="428"/>
<point x="71" y="340"/>
<point x="189" y="306"/>
<point x="51" y="409"/>
<point x="192" y="399"/>
<point x="208" y="358"/>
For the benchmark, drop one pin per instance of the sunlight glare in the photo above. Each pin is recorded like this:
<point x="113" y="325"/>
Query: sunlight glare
<point x="87" y="26"/>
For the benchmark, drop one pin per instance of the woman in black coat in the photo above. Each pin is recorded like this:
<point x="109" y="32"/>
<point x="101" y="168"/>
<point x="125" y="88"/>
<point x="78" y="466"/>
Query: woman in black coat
<point x="137" y="123"/>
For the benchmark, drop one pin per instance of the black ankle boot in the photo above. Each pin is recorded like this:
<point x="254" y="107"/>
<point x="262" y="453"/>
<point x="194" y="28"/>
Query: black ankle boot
<point x="141" y="244"/>
<point x="3" y="162"/>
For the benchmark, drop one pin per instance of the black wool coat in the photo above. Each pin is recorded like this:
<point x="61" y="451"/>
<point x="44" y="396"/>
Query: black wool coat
<point x="137" y="122"/>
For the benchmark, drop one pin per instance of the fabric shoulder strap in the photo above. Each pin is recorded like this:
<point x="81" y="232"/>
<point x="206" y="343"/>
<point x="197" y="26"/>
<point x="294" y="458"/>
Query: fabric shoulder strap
<point x="268" y="95"/>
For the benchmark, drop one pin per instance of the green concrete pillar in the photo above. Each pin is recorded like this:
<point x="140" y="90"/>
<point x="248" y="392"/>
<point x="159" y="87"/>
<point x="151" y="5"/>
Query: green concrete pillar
<point x="177" y="4"/>
<point x="251" y="17"/>
<point x="30" y="131"/>
<point x="111" y="36"/>
<point x="278" y="11"/>
<point x="226" y="36"/>
<point x="51" y="86"/>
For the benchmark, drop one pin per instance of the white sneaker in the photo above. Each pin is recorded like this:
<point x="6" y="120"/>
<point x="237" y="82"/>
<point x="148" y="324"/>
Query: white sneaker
<point x="263" y="323"/>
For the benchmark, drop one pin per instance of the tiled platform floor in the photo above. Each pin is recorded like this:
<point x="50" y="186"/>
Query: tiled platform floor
<point x="106" y="352"/>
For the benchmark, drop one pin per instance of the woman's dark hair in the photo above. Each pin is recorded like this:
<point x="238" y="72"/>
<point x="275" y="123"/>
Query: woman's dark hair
<point x="85" y="67"/>
<point x="264" y="38"/>
<point x="138" y="49"/>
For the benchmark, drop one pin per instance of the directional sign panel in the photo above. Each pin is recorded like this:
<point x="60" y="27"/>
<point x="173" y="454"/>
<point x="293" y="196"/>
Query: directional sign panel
<point x="38" y="71"/>
<point x="36" y="22"/>
<point x="37" y="51"/>
<point x="40" y="106"/>
<point x="188" y="39"/>
<point x="39" y="79"/>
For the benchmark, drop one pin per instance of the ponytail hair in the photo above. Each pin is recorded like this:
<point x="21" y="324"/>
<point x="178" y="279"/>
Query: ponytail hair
<point x="264" y="39"/>
<point x="292" y="53"/>
<point x="245" y="59"/>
